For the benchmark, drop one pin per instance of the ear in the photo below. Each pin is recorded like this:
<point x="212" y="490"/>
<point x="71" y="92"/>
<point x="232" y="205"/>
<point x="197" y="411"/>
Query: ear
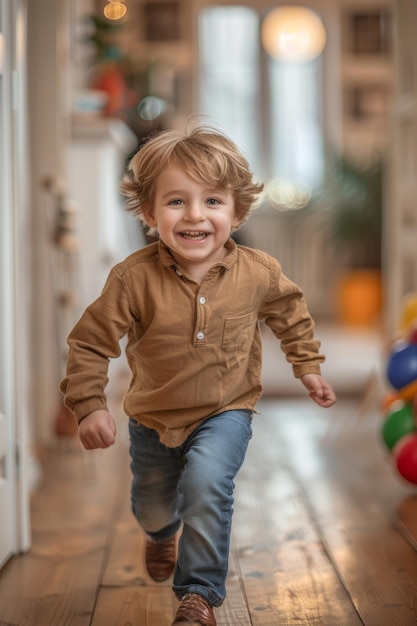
<point x="237" y="221"/>
<point x="149" y="218"/>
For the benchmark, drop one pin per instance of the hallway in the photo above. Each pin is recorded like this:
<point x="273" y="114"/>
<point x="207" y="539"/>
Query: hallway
<point x="324" y="532"/>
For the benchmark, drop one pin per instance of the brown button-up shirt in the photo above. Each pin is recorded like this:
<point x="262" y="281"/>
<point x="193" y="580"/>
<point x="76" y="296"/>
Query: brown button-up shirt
<point x="194" y="350"/>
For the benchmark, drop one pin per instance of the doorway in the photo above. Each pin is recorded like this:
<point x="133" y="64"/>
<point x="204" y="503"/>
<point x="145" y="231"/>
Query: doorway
<point x="14" y="492"/>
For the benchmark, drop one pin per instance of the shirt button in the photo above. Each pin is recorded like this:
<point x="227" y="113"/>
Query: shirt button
<point x="200" y="335"/>
<point x="202" y="300"/>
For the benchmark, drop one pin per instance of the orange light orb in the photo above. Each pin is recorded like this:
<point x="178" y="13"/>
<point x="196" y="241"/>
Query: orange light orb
<point x="292" y="33"/>
<point x="115" y="10"/>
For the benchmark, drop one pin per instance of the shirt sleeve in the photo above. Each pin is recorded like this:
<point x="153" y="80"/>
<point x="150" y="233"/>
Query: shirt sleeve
<point x="285" y="312"/>
<point x="92" y="342"/>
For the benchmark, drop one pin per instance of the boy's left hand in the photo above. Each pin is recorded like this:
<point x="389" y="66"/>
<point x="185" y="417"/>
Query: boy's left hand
<point x="319" y="389"/>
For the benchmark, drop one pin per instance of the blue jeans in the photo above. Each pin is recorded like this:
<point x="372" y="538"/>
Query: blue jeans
<point x="191" y="485"/>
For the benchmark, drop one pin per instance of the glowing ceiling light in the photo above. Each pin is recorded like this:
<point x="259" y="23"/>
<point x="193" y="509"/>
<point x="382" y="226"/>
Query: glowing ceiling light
<point x="293" y="33"/>
<point x="115" y="10"/>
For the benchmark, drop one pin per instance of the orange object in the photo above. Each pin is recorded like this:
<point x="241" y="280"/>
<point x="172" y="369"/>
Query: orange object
<point x="409" y="312"/>
<point x="389" y="400"/>
<point x="111" y="81"/>
<point x="360" y="297"/>
<point x="408" y="392"/>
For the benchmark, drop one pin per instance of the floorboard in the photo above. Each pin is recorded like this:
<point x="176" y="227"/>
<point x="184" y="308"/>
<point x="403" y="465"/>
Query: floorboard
<point x="373" y="557"/>
<point x="324" y="533"/>
<point x="287" y="575"/>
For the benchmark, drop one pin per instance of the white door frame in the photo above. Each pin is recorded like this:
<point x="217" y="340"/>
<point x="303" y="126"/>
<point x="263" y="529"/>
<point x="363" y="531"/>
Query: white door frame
<point x="400" y="223"/>
<point x="14" y="280"/>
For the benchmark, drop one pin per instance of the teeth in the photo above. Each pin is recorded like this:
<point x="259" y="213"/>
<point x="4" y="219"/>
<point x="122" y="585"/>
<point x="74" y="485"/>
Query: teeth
<point x="193" y="235"/>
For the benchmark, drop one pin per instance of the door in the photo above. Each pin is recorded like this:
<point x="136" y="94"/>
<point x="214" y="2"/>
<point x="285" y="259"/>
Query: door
<point x="7" y="502"/>
<point x="401" y="220"/>
<point x="14" y="497"/>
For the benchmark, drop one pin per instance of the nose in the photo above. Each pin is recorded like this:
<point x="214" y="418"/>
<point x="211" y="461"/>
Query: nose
<point x="194" y="212"/>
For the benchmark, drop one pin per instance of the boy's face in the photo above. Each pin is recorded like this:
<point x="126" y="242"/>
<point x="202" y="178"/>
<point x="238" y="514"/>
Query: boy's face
<point x="193" y="219"/>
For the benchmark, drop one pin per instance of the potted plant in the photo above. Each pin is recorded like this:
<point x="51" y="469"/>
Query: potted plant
<point x="354" y="193"/>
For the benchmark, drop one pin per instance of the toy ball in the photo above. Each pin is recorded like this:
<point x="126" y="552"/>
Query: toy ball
<point x="405" y="457"/>
<point x="399" y="422"/>
<point x="398" y="345"/>
<point x="402" y="366"/>
<point x="409" y="311"/>
<point x="412" y="338"/>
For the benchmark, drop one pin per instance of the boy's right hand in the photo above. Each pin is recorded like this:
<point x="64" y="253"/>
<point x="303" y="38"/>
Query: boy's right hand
<point x="97" y="430"/>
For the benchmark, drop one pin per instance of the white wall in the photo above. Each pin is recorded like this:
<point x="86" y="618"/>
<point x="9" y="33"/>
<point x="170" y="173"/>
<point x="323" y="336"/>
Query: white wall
<point x="89" y="180"/>
<point x="46" y="92"/>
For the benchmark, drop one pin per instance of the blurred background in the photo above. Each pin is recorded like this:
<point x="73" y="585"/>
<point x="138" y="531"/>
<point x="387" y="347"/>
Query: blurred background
<point x="320" y="96"/>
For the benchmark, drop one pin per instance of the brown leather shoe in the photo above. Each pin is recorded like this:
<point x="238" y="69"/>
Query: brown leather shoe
<point x="160" y="558"/>
<point x="194" y="611"/>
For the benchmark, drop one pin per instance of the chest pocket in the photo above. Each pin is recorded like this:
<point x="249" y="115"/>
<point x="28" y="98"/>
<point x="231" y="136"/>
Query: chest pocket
<point x="238" y="331"/>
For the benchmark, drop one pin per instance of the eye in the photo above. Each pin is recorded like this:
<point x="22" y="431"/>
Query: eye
<point x="213" y="201"/>
<point x="175" y="202"/>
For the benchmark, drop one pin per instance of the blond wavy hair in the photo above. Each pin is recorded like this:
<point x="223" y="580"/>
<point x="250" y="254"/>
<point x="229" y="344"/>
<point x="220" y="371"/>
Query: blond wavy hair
<point x="204" y="154"/>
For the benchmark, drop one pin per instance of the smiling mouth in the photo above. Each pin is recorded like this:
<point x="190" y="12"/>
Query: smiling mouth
<point x="193" y="235"/>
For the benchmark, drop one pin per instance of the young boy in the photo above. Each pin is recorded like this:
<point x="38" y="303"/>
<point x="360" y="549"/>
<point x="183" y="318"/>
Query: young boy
<point x="190" y="306"/>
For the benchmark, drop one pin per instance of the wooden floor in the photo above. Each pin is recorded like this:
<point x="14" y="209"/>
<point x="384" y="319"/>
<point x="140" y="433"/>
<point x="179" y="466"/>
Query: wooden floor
<point x="324" y="534"/>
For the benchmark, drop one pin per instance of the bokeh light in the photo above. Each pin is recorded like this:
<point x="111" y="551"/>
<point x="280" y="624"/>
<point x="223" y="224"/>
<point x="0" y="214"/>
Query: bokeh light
<point x="292" y="33"/>
<point x="284" y="194"/>
<point x="115" y="10"/>
<point x="150" y="108"/>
